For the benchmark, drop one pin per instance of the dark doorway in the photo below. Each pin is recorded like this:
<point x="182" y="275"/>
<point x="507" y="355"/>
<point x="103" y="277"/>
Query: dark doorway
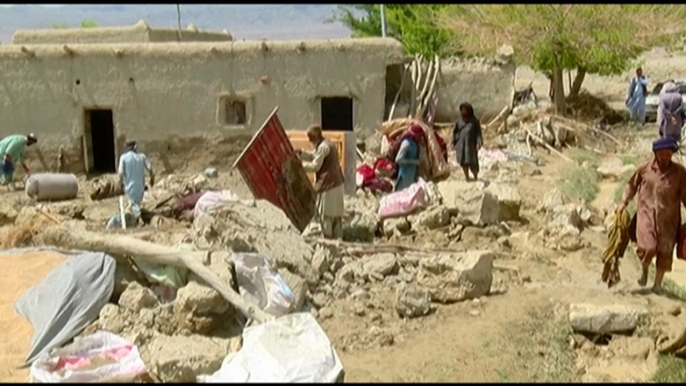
<point x="100" y="141"/>
<point x="337" y="114"/>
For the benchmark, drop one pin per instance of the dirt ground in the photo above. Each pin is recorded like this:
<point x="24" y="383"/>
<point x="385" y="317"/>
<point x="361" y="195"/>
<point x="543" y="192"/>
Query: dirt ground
<point x="18" y="273"/>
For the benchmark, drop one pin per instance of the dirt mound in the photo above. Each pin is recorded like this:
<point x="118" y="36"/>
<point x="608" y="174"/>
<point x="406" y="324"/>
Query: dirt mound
<point x="587" y="107"/>
<point x="21" y="272"/>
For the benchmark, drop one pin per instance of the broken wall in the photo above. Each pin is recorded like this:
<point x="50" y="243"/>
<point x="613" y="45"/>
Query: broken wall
<point x="486" y="85"/>
<point x="173" y="97"/>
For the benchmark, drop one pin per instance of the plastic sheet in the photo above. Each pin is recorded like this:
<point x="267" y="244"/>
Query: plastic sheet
<point x="290" y="349"/>
<point x="262" y="285"/>
<point x="67" y="300"/>
<point x="78" y="362"/>
<point x="214" y="201"/>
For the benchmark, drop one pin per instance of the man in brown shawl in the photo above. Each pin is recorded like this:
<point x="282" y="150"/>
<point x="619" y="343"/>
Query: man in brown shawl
<point x="661" y="187"/>
<point x="329" y="182"/>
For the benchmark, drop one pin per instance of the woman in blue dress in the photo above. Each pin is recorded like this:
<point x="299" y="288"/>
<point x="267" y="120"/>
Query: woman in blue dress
<point x="406" y="152"/>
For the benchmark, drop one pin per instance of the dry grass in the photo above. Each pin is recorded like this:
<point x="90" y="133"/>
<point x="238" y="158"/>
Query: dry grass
<point x="579" y="183"/>
<point x="545" y="352"/>
<point x="671" y="369"/>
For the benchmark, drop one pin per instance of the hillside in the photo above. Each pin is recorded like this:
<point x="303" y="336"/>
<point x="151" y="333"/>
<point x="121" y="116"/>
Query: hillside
<point x="269" y="21"/>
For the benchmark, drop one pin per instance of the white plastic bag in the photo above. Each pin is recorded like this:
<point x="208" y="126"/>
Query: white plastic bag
<point x="290" y="349"/>
<point x="214" y="201"/>
<point x="261" y="285"/>
<point x="405" y="201"/>
<point x="127" y="362"/>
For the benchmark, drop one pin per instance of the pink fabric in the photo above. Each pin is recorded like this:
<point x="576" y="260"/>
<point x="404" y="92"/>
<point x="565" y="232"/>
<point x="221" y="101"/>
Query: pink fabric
<point x="403" y="202"/>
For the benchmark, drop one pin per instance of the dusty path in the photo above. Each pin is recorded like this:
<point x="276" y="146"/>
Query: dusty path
<point x="18" y="273"/>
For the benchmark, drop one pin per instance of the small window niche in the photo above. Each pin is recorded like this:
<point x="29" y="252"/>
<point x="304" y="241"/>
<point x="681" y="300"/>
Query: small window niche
<point x="234" y="111"/>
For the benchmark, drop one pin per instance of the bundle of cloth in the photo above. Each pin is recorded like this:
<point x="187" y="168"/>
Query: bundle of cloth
<point x="433" y="152"/>
<point x="427" y="147"/>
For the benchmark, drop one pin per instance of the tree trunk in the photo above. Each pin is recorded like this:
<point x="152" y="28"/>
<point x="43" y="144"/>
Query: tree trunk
<point x="559" y="87"/>
<point x="119" y="245"/>
<point x="578" y="81"/>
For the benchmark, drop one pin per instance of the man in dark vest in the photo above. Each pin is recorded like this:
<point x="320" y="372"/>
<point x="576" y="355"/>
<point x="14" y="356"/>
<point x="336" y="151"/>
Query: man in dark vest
<point x="323" y="161"/>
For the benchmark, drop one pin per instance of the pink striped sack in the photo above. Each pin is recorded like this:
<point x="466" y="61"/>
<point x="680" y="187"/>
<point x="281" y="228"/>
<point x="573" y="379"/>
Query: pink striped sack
<point x="404" y="202"/>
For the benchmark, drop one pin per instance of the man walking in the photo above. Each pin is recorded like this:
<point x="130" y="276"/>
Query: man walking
<point x="132" y="167"/>
<point x="12" y="149"/>
<point x="661" y="188"/>
<point x="323" y="161"/>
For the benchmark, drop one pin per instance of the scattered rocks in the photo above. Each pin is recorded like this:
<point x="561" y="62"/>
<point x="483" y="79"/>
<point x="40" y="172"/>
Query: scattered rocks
<point x="259" y="227"/>
<point x="614" y="169"/>
<point x="453" y="278"/>
<point x="396" y="226"/>
<point x="605" y="319"/>
<point x="180" y="359"/>
<point x="200" y="299"/>
<point x="473" y="202"/>
<point x="379" y="265"/>
<point x="431" y="218"/>
<point x="413" y="301"/>
<point x="136" y="297"/>
<point x="509" y="200"/>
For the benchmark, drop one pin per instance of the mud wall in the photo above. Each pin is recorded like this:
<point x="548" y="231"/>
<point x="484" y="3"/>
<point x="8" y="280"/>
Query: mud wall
<point x="140" y="32"/>
<point x="486" y="85"/>
<point x="171" y="96"/>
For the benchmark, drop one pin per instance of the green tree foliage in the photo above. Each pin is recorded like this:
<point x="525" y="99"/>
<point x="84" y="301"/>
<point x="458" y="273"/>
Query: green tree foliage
<point x="88" y="24"/>
<point x="411" y="24"/>
<point x="600" y="39"/>
<point x="84" y="24"/>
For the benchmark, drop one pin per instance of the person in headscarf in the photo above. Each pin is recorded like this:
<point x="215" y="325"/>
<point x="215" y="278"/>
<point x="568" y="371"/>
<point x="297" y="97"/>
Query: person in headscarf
<point x="467" y="140"/>
<point x="636" y="96"/>
<point x="407" y="157"/>
<point x="329" y="182"/>
<point x="670" y="111"/>
<point x="661" y="188"/>
<point x="12" y="149"/>
<point x="131" y="170"/>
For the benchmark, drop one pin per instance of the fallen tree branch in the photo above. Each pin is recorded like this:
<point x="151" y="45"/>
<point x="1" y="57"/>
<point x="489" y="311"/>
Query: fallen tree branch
<point x="153" y="253"/>
<point x="498" y="117"/>
<point x="542" y="142"/>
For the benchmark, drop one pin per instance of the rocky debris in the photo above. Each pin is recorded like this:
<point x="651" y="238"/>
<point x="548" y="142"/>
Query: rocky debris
<point x="413" y="301"/>
<point x="361" y="222"/>
<point x="211" y="173"/>
<point x="136" y="297"/>
<point x="180" y="359"/>
<point x="260" y="228"/>
<point x="614" y="169"/>
<point x="473" y="203"/>
<point x="379" y="266"/>
<point x="298" y="287"/>
<point x="504" y="55"/>
<point x="434" y="217"/>
<point x="200" y="299"/>
<point x="509" y="200"/>
<point x="396" y="226"/>
<point x="551" y="200"/>
<point x="458" y="277"/>
<point x="606" y="319"/>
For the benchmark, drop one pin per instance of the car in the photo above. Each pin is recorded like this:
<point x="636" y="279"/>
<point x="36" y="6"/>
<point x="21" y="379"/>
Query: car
<point x="653" y="98"/>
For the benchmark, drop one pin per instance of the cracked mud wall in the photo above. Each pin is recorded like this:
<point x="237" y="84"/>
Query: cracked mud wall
<point x="167" y="95"/>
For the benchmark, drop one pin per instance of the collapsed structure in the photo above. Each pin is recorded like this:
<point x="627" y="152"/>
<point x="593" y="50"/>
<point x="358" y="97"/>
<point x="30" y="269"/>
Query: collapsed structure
<point x="85" y="91"/>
